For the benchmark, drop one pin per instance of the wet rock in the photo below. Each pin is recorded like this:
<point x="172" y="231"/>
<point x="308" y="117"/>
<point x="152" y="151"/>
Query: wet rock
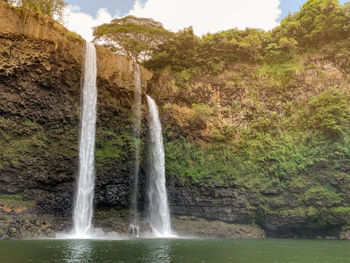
<point x="113" y="194"/>
<point x="345" y="235"/>
<point x="199" y="227"/>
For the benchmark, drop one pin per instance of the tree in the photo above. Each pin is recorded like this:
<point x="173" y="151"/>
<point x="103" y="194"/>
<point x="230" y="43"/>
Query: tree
<point x="288" y="44"/>
<point x="346" y="11"/>
<point x="179" y="52"/>
<point x="220" y="47"/>
<point x="251" y="45"/>
<point x="51" y="8"/>
<point x="341" y="21"/>
<point x="329" y="113"/>
<point x="132" y="36"/>
<point x="317" y="21"/>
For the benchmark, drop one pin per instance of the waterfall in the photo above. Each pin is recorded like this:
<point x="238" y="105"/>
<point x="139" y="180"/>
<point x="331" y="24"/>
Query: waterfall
<point x="135" y="220"/>
<point x="158" y="209"/>
<point x="83" y="207"/>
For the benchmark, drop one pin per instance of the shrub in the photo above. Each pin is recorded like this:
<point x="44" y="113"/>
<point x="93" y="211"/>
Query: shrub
<point x="329" y="113"/>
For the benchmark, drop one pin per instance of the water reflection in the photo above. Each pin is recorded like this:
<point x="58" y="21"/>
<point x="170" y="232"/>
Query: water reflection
<point x="79" y="251"/>
<point x="145" y="251"/>
<point x="158" y="251"/>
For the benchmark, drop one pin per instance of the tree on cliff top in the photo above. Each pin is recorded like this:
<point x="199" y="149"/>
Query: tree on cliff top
<point x="132" y="36"/>
<point x="51" y="8"/>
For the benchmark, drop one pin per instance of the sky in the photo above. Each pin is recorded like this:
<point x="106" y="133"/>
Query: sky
<point x="204" y="15"/>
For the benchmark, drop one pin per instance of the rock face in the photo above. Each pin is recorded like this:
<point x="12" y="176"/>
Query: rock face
<point x="40" y="75"/>
<point x="39" y="107"/>
<point x="199" y="227"/>
<point x="234" y="205"/>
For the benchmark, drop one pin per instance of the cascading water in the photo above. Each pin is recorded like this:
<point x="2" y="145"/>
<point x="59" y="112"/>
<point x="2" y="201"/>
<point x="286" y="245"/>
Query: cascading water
<point x="158" y="208"/>
<point x="135" y="220"/>
<point x="83" y="207"/>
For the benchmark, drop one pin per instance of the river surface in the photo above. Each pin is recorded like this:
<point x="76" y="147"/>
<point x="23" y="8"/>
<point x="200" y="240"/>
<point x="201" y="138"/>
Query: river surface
<point x="175" y="250"/>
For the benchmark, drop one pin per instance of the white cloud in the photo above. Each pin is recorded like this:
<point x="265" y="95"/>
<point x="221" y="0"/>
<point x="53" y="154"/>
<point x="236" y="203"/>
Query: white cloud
<point x="204" y="15"/>
<point x="210" y="15"/>
<point x="82" y="23"/>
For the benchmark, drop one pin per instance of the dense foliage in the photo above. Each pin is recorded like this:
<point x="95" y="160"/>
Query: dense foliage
<point x="299" y="151"/>
<point x="276" y="148"/>
<point x="317" y="24"/>
<point x="287" y="129"/>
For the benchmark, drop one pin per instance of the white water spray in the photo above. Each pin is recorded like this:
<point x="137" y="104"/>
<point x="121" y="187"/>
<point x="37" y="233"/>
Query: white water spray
<point x="158" y="208"/>
<point x="83" y="207"/>
<point x="135" y="220"/>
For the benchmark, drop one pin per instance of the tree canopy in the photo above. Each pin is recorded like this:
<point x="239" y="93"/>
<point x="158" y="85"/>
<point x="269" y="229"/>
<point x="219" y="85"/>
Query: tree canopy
<point x="132" y="36"/>
<point x="317" y="24"/>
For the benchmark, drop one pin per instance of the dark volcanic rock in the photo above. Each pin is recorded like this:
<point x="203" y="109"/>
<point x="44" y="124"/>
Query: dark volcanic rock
<point x="199" y="227"/>
<point x="40" y="102"/>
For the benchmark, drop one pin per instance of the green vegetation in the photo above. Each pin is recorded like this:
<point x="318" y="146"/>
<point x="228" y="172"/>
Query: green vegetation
<point x="341" y="209"/>
<point x="287" y="124"/>
<point x="112" y="146"/>
<point x="24" y="142"/>
<point x="71" y="36"/>
<point x="280" y="75"/>
<point x="301" y="148"/>
<point x="132" y="36"/>
<point x="319" y="24"/>
<point x="15" y="201"/>
<point x="329" y="113"/>
<point x="322" y="196"/>
<point x="257" y="159"/>
<point x="51" y="8"/>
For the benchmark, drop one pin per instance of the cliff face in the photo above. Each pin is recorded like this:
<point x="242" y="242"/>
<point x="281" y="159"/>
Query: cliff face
<point x="222" y="161"/>
<point x="40" y="104"/>
<point x="40" y="87"/>
<point x="243" y="146"/>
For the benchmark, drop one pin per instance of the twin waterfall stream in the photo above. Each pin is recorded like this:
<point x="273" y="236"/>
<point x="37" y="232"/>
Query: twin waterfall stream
<point x="134" y="216"/>
<point x="158" y="208"/>
<point x="158" y="216"/>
